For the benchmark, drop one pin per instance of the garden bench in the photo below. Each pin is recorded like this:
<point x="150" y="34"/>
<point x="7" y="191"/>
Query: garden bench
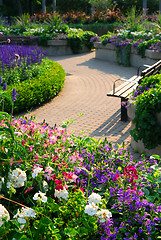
<point x="124" y="90"/>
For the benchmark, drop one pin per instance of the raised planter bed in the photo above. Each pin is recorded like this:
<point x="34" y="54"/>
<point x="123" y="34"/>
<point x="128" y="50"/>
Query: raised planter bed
<point x="108" y="53"/>
<point x="60" y="47"/>
<point x="26" y="40"/>
<point x="139" y="146"/>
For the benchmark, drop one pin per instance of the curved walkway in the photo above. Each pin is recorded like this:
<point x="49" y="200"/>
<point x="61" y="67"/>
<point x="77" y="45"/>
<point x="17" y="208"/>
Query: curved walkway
<point x="87" y="82"/>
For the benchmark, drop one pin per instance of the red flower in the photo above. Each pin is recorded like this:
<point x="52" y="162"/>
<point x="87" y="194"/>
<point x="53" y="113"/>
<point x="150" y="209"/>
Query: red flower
<point x="116" y="177"/>
<point x="59" y="187"/>
<point x="53" y="176"/>
<point x="58" y="182"/>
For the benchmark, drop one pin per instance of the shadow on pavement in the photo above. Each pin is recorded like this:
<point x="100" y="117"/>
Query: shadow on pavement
<point x="113" y="127"/>
<point x="109" y="67"/>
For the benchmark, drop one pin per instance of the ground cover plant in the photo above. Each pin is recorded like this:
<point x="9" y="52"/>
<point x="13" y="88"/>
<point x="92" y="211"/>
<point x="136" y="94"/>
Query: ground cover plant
<point x="35" y="78"/>
<point x="57" y="186"/>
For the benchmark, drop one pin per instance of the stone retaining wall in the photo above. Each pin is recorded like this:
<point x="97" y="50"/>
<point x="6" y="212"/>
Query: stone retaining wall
<point x="60" y="48"/>
<point x="108" y="53"/>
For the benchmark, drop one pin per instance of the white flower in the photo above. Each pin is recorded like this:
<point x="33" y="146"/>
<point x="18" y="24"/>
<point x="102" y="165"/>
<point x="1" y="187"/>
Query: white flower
<point x="103" y="214"/>
<point x="40" y="196"/>
<point x="94" y="197"/>
<point x="91" y="209"/>
<point x="24" y="214"/>
<point x="21" y="220"/>
<point x="17" y="178"/>
<point x="61" y="193"/>
<point x="36" y="171"/>
<point x="3" y="213"/>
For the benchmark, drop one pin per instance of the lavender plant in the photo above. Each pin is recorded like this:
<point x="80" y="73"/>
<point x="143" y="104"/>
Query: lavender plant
<point x="17" y="62"/>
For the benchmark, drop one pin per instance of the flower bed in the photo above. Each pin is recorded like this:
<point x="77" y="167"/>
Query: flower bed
<point x="77" y="40"/>
<point x="35" y="78"/>
<point x="130" y="48"/>
<point x="57" y="186"/>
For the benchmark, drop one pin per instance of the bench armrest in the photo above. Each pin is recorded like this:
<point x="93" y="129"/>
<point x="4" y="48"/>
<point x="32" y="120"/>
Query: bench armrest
<point x="123" y="79"/>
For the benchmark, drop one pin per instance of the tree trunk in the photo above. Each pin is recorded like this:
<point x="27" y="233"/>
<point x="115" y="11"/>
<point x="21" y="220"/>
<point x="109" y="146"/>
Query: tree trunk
<point x="160" y="6"/>
<point x="44" y="6"/>
<point x="144" y="7"/>
<point x="0" y="7"/>
<point x="19" y="7"/>
<point x="54" y="5"/>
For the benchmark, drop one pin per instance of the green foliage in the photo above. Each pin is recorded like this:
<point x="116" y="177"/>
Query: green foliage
<point x="78" y="38"/>
<point x="39" y="89"/>
<point x="17" y="74"/>
<point x="123" y="55"/>
<point x="148" y="104"/>
<point x="145" y="45"/>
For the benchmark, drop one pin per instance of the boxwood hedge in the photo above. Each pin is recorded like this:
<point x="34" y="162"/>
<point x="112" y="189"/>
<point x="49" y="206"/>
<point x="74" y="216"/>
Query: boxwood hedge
<point x="39" y="89"/>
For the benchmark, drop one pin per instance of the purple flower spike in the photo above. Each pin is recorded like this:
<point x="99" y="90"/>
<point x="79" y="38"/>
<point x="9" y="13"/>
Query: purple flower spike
<point x="4" y="87"/>
<point x="14" y="93"/>
<point x="1" y="80"/>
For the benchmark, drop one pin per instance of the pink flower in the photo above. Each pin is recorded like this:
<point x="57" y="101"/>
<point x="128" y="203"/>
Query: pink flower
<point x="17" y="56"/>
<point x="8" y="40"/>
<point x="1" y="33"/>
<point x="28" y="190"/>
<point x="48" y="170"/>
<point x="23" y="142"/>
<point x="31" y="148"/>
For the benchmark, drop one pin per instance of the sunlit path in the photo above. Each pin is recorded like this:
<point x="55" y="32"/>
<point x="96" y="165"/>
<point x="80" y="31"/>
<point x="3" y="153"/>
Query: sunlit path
<point x="87" y="82"/>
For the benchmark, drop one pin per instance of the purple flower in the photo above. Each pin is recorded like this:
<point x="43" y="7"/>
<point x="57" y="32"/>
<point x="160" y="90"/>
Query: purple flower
<point x="4" y="87"/>
<point x="1" y="80"/>
<point x="14" y="93"/>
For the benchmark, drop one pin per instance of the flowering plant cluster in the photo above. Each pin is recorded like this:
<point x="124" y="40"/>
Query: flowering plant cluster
<point x="139" y="40"/>
<point x="18" y="62"/>
<point x="57" y="186"/>
<point x="53" y="28"/>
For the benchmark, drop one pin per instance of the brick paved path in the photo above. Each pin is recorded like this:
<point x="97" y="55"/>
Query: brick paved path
<point x="87" y="82"/>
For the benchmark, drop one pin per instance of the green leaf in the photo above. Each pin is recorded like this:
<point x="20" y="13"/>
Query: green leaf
<point x="5" y="129"/>
<point x="71" y="232"/>
<point x="151" y="198"/>
<point x="146" y="191"/>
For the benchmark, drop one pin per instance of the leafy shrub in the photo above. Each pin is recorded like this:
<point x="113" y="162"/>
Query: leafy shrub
<point x="76" y="39"/>
<point x="39" y="89"/>
<point x="147" y="100"/>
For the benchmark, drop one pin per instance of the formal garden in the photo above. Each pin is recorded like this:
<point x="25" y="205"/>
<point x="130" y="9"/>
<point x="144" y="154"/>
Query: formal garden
<point x="53" y="184"/>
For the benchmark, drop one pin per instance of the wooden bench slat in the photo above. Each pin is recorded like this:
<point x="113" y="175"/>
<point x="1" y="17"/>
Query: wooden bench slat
<point x="127" y="93"/>
<point x="127" y="81"/>
<point x="124" y="89"/>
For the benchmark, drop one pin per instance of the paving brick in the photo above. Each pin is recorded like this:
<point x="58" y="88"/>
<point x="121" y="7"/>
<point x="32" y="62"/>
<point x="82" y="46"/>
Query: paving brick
<point x="87" y="82"/>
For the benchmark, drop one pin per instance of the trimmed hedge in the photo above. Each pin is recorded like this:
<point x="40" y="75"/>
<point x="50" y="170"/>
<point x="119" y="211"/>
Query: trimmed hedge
<point x="39" y="89"/>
